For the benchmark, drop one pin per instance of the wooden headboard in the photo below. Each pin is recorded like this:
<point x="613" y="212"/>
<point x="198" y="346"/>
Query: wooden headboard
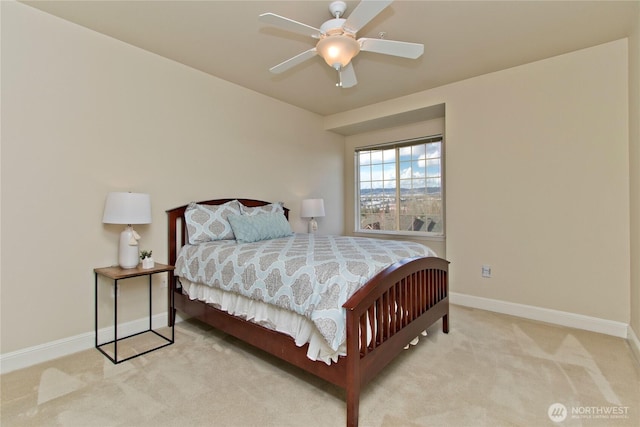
<point x="177" y="223"/>
<point x="178" y="237"/>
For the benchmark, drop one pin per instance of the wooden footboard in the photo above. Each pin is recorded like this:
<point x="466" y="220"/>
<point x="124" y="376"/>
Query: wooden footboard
<point x="386" y="314"/>
<point x="382" y="317"/>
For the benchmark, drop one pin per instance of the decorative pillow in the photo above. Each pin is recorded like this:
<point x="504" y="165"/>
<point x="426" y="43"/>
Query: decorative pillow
<point x="254" y="228"/>
<point x="271" y="208"/>
<point x="206" y="223"/>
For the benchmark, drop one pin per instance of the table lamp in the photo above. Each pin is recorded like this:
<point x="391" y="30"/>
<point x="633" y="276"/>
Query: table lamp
<point x="129" y="209"/>
<point x="312" y="208"/>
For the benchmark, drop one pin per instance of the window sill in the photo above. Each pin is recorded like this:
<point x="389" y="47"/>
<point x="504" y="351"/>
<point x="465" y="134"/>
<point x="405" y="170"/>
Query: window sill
<point x="404" y="234"/>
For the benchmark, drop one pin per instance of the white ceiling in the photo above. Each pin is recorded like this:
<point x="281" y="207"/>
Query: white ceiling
<point x="462" y="40"/>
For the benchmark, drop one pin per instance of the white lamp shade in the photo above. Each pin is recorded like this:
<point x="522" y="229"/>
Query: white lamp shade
<point x="127" y="208"/>
<point x="312" y="208"/>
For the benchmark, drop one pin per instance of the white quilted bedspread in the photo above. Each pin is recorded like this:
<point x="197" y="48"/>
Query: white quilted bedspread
<point x="308" y="274"/>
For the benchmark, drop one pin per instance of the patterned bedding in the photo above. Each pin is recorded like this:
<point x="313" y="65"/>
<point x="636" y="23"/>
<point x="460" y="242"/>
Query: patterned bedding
<point x="308" y="274"/>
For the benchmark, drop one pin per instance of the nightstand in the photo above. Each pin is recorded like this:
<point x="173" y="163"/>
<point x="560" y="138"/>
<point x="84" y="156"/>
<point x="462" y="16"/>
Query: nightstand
<point x="116" y="274"/>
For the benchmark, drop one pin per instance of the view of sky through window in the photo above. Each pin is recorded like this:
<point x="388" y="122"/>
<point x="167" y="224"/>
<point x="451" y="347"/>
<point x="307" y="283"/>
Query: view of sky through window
<point x="400" y="187"/>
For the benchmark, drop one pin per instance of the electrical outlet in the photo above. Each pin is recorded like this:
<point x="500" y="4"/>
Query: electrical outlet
<point x="163" y="284"/>
<point x="486" y="271"/>
<point x="115" y="289"/>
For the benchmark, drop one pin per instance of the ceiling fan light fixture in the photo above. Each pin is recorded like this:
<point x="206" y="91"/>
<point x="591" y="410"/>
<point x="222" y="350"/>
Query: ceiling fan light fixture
<point x="338" y="50"/>
<point x="337" y="43"/>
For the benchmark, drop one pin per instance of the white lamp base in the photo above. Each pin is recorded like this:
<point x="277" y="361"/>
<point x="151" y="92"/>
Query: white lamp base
<point x="313" y="226"/>
<point x="128" y="253"/>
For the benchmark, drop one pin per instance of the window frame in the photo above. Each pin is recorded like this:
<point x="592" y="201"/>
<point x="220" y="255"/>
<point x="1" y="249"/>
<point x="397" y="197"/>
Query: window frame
<point x="396" y="145"/>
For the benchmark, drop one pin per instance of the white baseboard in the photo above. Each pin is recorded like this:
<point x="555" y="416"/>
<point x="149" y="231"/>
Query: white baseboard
<point x="63" y="347"/>
<point x="556" y="317"/>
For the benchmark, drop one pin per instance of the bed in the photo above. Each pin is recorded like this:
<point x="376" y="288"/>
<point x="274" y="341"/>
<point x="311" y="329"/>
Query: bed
<point x="381" y="317"/>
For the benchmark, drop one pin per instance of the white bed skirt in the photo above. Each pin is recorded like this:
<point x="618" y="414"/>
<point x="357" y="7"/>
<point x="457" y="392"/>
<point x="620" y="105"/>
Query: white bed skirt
<point x="301" y="329"/>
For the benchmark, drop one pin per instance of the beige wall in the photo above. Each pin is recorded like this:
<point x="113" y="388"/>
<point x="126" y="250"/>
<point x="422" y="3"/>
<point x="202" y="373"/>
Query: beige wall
<point x="528" y="149"/>
<point x="82" y="115"/>
<point x="634" y="164"/>
<point x="537" y="181"/>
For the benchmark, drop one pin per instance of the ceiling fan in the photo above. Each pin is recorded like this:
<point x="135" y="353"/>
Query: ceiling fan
<point x="337" y="43"/>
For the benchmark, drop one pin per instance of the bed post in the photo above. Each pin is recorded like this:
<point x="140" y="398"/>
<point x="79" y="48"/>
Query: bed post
<point x="173" y="253"/>
<point x="353" y="382"/>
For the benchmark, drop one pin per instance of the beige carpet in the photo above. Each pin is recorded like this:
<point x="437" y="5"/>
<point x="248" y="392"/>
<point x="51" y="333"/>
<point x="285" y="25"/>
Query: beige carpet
<point x="490" y="370"/>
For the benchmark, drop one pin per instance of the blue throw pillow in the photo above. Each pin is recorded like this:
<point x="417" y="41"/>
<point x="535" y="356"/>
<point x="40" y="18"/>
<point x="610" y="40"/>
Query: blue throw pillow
<point x="254" y="228"/>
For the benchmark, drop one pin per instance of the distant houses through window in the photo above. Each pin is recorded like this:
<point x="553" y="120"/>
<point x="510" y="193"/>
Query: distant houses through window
<point x="399" y="187"/>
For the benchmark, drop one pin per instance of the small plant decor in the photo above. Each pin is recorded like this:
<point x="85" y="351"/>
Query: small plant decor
<point x="147" y="261"/>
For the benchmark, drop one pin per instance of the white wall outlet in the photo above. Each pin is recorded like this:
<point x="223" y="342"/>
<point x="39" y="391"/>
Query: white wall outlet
<point x="163" y="283"/>
<point x="486" y="271"/>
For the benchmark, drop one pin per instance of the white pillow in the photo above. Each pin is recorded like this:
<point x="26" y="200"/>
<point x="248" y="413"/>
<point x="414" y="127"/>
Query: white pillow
<point x="270" y="208"/>
<point x="206" y="223"/>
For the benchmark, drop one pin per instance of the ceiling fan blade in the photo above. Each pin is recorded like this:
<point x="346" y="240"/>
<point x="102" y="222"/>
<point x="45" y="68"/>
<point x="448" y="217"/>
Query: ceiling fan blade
<point x="347" y="76"/>
<point x="363" y="13"/>
<point x="292" y="62"/>
<point x="391" y="47"/>
<point x="289" y="25"/>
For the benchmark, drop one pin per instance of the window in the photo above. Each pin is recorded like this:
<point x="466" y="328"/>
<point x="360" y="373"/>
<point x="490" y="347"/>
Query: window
<point x="399" y="187"/>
